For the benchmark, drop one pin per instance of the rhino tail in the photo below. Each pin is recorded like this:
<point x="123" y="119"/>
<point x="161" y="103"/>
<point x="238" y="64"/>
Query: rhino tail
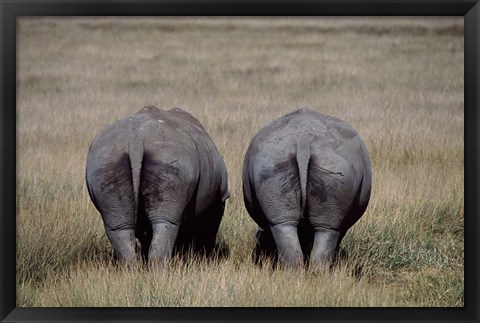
<point x="303" y="158"/>
<point x="135" y="152"/>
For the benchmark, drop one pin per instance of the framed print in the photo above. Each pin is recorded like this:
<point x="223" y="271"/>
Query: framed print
<point x="239" y="161"/>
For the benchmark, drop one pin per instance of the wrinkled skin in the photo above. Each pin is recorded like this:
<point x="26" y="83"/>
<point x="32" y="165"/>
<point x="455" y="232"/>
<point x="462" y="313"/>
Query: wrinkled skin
<point x="306" y="180"/>
<point x="157" y="176"/>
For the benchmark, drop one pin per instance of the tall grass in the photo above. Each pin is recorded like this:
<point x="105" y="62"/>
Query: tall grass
<point x="397" y="81"/>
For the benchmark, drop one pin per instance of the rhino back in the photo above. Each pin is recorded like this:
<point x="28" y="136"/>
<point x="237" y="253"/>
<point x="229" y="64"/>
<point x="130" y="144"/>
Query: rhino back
<point x="304" y="125"/>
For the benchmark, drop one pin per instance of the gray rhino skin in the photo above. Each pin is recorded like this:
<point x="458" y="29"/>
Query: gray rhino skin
<point x="157" y="176"/>
<point x="306" y="180"/>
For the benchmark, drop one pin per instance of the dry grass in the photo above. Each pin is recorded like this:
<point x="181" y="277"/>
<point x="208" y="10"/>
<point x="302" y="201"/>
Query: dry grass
<point x="398" y="81"/>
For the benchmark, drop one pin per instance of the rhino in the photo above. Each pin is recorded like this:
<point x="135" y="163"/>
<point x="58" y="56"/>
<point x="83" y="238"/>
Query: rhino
<point x="157" y="176"/>
<point x="306" y="180"/>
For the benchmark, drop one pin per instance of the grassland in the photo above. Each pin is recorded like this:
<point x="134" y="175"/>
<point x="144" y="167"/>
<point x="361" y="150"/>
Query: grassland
<point x="397" y="81"/>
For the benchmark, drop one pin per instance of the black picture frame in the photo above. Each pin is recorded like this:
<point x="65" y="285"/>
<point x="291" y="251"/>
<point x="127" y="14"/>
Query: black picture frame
<point x="10" y="10"/>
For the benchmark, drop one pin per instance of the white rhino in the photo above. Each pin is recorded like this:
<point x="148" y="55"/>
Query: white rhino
<point x="306" y="180"/>
<point x="157" y="175"/>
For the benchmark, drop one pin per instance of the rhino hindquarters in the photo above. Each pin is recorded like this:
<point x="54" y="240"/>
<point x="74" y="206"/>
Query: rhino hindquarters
<point x="325" y="246"/>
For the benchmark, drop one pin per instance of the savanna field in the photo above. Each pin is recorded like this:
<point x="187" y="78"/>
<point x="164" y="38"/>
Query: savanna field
<point x="397" y="81"/>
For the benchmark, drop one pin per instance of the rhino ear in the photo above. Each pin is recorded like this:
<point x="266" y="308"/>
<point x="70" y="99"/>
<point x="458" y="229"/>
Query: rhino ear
<point x="149" y="108"/>
<point x="186" y="116"/>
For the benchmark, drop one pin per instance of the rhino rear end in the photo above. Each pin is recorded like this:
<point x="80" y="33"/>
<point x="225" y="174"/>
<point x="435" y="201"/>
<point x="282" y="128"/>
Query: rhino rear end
<point x="306" y="181"/>
<point x="156" y="176"/>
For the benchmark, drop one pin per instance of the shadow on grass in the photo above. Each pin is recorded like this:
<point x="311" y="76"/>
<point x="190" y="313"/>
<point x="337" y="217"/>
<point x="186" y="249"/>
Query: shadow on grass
<point x="358" y="270"/>
<point x="191" y="252"/>
<point x="265" y="254"/>
<point x="37" y="269"/>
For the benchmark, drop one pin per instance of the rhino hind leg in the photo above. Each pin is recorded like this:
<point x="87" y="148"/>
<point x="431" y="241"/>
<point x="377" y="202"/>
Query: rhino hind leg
<point x="163" y="241"/>
<point x="166" y="187"/>
<point x="123" y="242"/>
<point x="288" y="244"/>
<point x="110" y="187"/>
<point x="164" y="217"/>
<point x="324" y="248"/>
<point x="120" y="228"/>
